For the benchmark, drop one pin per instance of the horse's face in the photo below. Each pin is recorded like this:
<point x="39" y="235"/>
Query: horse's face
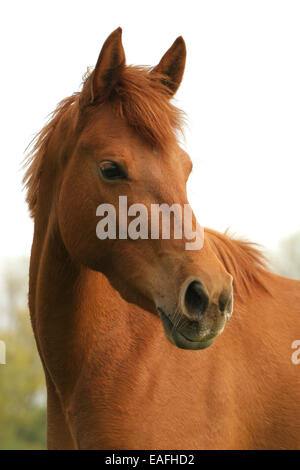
<point x="190" y="289"/>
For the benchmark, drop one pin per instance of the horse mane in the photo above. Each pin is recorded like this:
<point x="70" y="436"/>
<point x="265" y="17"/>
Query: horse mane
<point x="38" y="147"/>
<point x="140" y="97"/>
<point x="243" y="260"/>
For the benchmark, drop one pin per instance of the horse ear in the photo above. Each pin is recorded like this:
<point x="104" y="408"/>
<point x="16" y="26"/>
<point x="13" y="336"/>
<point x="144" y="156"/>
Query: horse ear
<point x="172" y="65"/>
<point x="109" y="65"/>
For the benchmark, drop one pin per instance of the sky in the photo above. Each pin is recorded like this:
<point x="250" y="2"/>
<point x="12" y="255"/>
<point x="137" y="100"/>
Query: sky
<point x="241" y="94"/>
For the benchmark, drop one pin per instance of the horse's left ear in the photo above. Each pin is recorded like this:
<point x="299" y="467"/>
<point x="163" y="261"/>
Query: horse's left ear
<point x="172" y="65"/>
<point x="107" y="71"/>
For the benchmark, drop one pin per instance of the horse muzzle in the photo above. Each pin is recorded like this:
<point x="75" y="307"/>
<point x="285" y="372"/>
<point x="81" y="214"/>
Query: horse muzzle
<point x="176" y="337"/>
<point x="198" y="320"/>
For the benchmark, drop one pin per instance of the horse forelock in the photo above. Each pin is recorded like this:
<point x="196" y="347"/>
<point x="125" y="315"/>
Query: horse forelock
<point x="142" y="99"/>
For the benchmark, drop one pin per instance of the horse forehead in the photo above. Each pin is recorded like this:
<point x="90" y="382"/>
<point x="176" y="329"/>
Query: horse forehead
<point x="124" y="142"/>
<point x="106" y="132"/>
<point x="99" y="132"/>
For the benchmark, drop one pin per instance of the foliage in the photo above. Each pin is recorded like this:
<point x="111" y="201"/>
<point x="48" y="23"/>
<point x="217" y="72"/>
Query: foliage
<point x="22" y="385"/>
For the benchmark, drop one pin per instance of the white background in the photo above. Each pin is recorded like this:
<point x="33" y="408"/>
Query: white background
<point x="241" y="92"/>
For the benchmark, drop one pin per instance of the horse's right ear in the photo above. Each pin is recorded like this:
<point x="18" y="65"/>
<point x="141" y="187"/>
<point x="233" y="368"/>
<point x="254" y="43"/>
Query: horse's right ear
<point x="172" y="65"/>
<point x="110" y="63"/>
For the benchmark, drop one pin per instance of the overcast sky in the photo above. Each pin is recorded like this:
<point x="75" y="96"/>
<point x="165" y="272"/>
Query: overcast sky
<point x="241" y="92"/>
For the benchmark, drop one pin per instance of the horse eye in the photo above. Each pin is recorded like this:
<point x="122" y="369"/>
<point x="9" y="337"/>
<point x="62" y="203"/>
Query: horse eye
<point x="112" y="170"/>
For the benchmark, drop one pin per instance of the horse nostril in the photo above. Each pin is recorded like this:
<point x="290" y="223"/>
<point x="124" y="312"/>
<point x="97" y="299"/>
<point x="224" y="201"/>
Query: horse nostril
<point x="196" y="299"/>
<point x="225" y="302"/>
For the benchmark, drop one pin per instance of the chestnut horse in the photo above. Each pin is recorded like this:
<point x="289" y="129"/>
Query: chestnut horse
<point x="128" y="330"/>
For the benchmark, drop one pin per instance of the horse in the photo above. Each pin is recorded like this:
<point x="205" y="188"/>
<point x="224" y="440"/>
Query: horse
<point x="141" y="341"/>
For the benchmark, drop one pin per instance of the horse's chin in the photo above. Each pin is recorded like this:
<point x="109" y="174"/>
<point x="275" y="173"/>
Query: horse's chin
<point x="177" y="338"/>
